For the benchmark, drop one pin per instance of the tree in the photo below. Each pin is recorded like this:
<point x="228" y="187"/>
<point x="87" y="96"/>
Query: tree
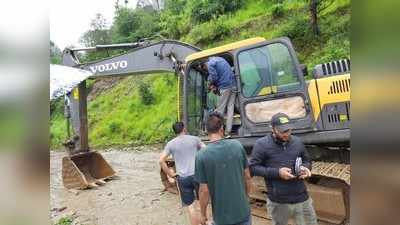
<point x="55" y="53"/>
<point x="97" y="34"/>
<point x="173" y="22"/>
<point x="316" y="7"/>
<point x="133" y="24"/>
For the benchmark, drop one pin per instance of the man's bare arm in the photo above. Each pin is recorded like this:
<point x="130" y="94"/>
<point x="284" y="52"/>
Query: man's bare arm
<point x="247" y="181"/>
<point x="164" y="166"/>
<point x="204" y="198"/>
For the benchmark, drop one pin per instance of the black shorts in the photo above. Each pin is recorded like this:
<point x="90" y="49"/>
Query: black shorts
<point x="189" y="189"/>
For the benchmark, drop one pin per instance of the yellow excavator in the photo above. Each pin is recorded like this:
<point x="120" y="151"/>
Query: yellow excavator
<point x="269" y="78"/>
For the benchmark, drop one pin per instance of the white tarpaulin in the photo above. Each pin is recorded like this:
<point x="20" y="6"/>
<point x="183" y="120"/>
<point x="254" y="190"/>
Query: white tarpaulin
<point x="64" y="78"/>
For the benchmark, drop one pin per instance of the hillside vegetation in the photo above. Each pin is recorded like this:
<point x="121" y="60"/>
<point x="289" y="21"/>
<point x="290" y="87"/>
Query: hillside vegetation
<point x="140" y="109"/>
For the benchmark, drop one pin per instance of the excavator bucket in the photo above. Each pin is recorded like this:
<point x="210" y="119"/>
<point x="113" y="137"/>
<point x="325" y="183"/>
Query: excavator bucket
<point x="85" y="170"/>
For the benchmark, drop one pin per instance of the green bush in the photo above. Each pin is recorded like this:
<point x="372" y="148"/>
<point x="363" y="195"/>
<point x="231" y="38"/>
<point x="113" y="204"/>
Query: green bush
<point x="114" y="126"/>
<point x="174" y="25"/>
<point x="145" y="93"/>
<point x="202" y="11"/>
<point x="133" y="24"/>
<point x="209" y="32"/>
<point x="65" y="221"/>
<point x="277" y="11"/>
<point x="174" y="19"/>
<point x="175" y="6"/>
<point x="298" y="30"/>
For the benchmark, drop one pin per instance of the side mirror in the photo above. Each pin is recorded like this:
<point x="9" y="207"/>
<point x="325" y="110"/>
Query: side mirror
<point x="304" y="70"/>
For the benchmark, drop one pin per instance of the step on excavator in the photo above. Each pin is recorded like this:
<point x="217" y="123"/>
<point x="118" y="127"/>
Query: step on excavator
<point x="269" y="80"/>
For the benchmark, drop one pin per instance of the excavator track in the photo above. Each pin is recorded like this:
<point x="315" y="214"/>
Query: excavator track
<point x="332" y="170"/>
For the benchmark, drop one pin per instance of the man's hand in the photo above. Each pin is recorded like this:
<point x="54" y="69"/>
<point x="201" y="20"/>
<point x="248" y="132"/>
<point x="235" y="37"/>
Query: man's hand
<point x="203" y="220"/>
<point x="212" y="87"/>
<point x="163" y="164"/>
<point x="247" y="181"/>
<point x="173" y="174"/>
<point x="203" y="200"/>
<point x="286" y="173"/>
<point x="305" y="172"/>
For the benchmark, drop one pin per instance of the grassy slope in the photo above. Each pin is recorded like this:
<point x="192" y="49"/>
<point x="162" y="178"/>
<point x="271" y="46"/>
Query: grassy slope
<point x="117" y="116"/>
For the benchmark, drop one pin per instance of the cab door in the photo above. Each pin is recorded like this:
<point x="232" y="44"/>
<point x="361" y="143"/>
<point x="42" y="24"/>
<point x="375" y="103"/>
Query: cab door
<point x="269" y="81"/>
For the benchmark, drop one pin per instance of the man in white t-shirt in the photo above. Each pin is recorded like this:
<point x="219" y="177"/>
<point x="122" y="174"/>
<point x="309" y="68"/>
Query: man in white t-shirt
<point x="183" y="149"/>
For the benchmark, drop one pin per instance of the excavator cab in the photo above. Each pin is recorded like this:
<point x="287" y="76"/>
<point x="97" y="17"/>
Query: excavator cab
<point x="269" y="80"/>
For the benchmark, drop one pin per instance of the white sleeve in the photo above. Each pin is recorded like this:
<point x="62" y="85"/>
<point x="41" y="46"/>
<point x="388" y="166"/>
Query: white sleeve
<point x="167" y="149"/>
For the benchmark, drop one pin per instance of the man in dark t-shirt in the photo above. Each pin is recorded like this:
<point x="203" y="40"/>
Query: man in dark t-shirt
<point x="223" y="173"/>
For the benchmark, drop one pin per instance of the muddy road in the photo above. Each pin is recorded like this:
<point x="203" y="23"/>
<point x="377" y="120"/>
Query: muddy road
<point x="135" y="197"/>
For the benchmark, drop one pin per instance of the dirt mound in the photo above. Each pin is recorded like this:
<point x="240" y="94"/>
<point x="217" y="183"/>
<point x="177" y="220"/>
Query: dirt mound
<point x="102" y="85"/>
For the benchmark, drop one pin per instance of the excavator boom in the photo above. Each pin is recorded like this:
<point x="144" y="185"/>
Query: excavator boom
<point x="84" y="168"/>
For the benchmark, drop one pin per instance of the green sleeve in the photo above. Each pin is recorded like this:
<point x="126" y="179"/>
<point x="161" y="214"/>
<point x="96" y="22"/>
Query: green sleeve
<point x="199" y="170"/>
<point x="245" y="162"/>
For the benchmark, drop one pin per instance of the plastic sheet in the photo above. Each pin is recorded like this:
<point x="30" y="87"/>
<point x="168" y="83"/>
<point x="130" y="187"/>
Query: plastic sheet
<point x="63" y="79"/>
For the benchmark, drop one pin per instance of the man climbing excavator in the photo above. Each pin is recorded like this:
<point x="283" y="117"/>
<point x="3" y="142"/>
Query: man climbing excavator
<point x="269" y="79"/>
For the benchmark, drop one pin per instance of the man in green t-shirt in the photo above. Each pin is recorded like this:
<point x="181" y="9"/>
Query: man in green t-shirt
<point x="223" y="174"/>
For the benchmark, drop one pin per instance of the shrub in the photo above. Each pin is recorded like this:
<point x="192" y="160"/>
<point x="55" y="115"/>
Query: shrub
<point x="114" y="126"/>
<point x="202" y="11"/>
<point x="277" y="11"/>
<point x="298" y="30"/>
<point x="208" y="32"/>
<point x="65" y="221"/>
<point x="145" y="93"/>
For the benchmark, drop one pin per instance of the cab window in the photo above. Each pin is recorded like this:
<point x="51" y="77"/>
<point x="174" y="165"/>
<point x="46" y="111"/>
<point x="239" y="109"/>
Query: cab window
<point x="266" y="70"/>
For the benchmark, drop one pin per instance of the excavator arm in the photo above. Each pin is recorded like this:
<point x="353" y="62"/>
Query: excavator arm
<point x="144" y="57"/>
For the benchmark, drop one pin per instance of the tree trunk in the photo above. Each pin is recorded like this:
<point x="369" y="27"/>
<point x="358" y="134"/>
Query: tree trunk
<point x="314" y="16"/>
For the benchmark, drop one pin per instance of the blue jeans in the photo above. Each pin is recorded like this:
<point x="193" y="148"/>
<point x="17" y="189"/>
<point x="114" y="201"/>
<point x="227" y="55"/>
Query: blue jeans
<point x="188" y="189"/>
<point x="247" y="221"/>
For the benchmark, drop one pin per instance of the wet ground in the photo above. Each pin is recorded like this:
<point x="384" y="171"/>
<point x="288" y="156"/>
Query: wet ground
<point x="136" y="196"/>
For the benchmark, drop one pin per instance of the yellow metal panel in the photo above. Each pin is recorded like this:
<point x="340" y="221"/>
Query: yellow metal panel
<point x="324" y="85"/>
<point x="326" y="96"/>
<point x="224" y="48"/>
<point x="312" y="92"/>
<point x="75" y="93"/>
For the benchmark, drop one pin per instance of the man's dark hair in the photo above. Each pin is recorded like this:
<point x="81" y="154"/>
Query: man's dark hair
<point x="215" y="122"/>
<point x="178" y="127"/>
